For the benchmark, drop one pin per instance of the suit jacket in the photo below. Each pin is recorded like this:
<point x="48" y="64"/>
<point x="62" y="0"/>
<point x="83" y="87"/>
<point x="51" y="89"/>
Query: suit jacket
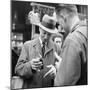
<point x="32" y="79"/>
<point x="73" y="68"/>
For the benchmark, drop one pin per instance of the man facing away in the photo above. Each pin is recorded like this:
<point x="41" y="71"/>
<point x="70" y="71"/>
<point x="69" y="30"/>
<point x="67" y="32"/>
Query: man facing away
<point x="73" y="68"/>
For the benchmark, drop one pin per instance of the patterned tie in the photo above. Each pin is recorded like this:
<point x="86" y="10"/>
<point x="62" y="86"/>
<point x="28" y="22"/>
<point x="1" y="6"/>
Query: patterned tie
<point x="43" y="49"/>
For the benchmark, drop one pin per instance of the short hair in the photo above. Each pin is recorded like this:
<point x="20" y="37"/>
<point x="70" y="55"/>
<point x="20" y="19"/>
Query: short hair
<point x="69" y="7"/>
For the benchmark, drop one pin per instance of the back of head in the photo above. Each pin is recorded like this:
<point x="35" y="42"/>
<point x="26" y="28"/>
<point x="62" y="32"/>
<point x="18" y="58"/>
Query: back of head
<point x="68" y="13"/>
<point x="70" y="8"/>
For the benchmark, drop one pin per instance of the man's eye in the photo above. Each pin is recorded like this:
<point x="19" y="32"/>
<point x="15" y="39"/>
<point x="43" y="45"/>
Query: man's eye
<point x="57" y="24"/>
<point x="49" y="34"/>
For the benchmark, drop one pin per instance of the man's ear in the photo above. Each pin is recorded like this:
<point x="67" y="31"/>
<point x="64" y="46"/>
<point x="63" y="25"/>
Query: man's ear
<point x="65" y="19"/>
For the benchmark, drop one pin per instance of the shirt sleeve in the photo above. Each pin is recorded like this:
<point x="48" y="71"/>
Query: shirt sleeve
<point x="69" y="69"/>
<point x="23" y="67"/>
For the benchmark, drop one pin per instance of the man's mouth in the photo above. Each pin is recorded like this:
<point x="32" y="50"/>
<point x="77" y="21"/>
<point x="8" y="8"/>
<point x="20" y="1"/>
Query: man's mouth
<point x="45" y="40"/>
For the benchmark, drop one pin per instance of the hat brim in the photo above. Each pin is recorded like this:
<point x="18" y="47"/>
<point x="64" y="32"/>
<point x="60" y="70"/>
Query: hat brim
<point x="47" y="29"/>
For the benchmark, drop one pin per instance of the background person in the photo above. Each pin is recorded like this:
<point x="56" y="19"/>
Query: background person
<point x="58" y="39"/>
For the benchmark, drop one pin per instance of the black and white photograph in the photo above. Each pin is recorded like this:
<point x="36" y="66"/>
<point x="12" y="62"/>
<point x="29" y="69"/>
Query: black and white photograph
<point x="49" y="44"/>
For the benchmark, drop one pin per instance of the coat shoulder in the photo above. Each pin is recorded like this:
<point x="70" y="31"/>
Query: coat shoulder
<point x="30" y="42"/>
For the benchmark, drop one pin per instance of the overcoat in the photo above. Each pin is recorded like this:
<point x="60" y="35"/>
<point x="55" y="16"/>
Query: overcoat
<point x="33" y="79"/>
<point x="73" y="68"/>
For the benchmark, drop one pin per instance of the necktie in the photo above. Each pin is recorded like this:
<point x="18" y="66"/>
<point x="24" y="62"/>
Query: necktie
<point x="43" y="49"/>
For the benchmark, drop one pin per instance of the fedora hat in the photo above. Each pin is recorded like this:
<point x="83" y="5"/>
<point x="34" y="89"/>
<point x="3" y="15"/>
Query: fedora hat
<point x="48" y="24"/>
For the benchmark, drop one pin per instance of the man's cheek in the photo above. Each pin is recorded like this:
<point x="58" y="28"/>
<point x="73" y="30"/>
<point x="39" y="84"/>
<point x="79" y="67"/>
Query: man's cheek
<point x="42" y="36"/>
<point x="45" y="39"/>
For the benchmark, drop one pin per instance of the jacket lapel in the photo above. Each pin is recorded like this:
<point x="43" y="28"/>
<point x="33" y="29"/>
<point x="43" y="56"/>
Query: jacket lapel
<point x="37" y="47"/>
<point x="49" y="48"/>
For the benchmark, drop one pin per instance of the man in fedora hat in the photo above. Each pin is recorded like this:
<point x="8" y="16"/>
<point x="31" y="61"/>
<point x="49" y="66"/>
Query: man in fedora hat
<point x="36" y="64"/>
<point x="73" y="68"/>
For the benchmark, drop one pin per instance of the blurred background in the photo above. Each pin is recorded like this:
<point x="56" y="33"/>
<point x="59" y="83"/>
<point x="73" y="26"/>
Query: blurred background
<point x="21" y="28"/>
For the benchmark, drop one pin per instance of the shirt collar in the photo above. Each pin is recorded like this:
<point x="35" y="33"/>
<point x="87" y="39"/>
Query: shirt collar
<point x="40" y="41"/>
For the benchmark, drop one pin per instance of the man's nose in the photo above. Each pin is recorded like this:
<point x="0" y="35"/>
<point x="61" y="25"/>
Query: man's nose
<point x="45" y="37"/>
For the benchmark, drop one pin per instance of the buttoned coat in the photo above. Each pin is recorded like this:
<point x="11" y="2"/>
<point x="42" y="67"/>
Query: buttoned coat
<point x="73" y="68"/>
<point x="32" y="79"/>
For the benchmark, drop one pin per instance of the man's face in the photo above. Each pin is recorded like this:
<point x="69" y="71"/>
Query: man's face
<point x="62" y="21"/>
<point x="58" y="41"/>
<point x="45" y="36"/>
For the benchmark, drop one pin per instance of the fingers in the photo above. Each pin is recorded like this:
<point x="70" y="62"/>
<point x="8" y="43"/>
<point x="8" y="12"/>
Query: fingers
<point x="36" y="61"/>
<point x="47" y="73"/>
<point x="35" y="68"/>
<point x="57" y="57"/>
<point x="49" y="66"/>
<point x="51" y="72"/>
<point x="36" y="64"/>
